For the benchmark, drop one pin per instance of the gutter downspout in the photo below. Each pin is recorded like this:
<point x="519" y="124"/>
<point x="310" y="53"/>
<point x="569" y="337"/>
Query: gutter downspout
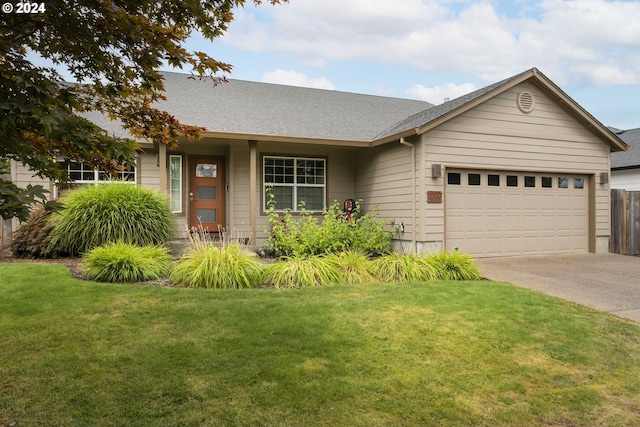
<point x="414" y="240"/>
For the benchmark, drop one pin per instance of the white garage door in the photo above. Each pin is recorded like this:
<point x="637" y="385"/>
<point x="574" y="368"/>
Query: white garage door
<point x="510" y="213"/>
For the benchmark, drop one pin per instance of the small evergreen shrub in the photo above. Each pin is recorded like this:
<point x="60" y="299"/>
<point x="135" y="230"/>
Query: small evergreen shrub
<point x="455" y="266"/>
<point x="122" y="262"/>
<point x="31" y="239"/>
<point x="300" y="271"/>
<point x="306" y="235"/>
<point x="95" y="215"/>
<point x="205" y="265"/>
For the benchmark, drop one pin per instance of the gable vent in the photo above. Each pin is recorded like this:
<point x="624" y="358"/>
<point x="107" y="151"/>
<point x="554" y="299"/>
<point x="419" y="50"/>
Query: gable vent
<point x="525" y="102"/>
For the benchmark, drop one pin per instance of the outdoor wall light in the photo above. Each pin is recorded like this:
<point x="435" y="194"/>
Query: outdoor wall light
<point x="604" y="177"/>
<point x="436" y="170"/>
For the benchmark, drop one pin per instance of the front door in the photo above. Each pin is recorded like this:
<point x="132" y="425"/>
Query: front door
<point x="206" y="193"/>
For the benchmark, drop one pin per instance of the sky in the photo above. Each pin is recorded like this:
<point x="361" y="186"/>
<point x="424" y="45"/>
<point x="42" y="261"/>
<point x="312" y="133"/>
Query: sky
<point x="436" y="49"/>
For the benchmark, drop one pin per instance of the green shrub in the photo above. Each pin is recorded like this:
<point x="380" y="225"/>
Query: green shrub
<point x="31" y="239"/>
<point x="122" y="262"/>
<point x="394" y="267"/>
<point x="300" y="271"/>
<point x="95" y="215"/>
<point x="354" y="267"/>
<point x="455" y="266"/>
<point x="208" y="266"/>
<point x="306" y="235"/>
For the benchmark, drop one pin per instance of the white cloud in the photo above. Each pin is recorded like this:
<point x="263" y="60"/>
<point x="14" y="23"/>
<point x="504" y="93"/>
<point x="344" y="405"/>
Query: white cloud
<point x="436" y="95"/>
<point x="582" y="41"/>
<point x="294" y="78"/>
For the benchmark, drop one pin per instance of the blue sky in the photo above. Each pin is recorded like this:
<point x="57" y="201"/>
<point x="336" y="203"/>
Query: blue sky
<point x="432" y="49"/>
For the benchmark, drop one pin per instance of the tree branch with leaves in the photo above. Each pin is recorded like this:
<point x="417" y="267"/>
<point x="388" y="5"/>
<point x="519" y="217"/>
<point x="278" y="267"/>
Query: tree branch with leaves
<point x="113" y="49"/>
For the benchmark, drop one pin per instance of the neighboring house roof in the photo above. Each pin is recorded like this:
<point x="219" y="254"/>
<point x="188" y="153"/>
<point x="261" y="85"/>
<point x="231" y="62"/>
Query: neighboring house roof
<point x="630" y="159"/>
<point x="242" y="109"/>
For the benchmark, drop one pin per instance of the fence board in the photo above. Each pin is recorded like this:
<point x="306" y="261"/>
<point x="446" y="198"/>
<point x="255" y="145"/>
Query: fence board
<point x="618" y="230"/>
<point x="625" y="222"/>
<point x="633" y="222"/>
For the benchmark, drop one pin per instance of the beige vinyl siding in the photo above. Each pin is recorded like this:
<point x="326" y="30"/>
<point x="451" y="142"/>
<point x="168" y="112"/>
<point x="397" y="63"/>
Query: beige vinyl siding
<point x="238" y="195"/>
<point x="22" y="176"/>
<point x="497" y="135"/>
<point x="384" y="179"/>
<point x="149" y="171"/>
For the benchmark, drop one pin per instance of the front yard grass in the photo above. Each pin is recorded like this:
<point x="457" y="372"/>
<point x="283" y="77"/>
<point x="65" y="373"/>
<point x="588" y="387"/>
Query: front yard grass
<point x="77" y="353"/>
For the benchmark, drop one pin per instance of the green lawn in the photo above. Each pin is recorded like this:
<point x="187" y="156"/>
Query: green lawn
<point x="75" y="353"/>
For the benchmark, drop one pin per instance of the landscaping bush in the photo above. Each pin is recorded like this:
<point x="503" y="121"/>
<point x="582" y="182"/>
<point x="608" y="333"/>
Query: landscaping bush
<point x="31" y="239"/>
<point x="354" y="267"/>
<point x="124" y="262"/>
<point x="306" y="235"/>
<point x="394" y="267"/>
<point x="205" y="265"/>
<point x="95" y="215"/>
<point x="300" y="271"/>
<point x="455" y="266"/>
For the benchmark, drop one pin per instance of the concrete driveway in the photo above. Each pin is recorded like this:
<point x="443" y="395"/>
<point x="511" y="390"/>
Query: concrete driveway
<point x="607" y="282"/>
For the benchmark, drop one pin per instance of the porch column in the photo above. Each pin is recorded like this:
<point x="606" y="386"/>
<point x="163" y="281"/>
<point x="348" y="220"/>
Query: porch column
<point x="253" y="191"/>
<point x="162" y="167"/>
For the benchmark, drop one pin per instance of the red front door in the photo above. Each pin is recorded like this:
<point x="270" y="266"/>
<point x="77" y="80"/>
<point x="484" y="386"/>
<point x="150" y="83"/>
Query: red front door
<point x="206" y="193"/>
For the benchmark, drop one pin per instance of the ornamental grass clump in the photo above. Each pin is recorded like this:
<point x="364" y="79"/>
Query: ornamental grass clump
<point x="122" y="262"/>
<point x="455" y="266"/>
<point x="355" y="267"/>
<point x="96" y="215"/>
<point x="299" y="271"/>
<point x="394" y="267"/>
<point x="205" y="265"/>
<point x="31" y="238"/>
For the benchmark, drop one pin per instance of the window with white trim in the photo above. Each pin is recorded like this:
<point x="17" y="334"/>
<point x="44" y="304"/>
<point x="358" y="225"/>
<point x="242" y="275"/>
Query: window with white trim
<point x="293" y="180"/>
<point x="81" y="174"/>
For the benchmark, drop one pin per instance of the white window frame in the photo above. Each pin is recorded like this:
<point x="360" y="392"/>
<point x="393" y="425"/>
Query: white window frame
<point x="179" y="196"/>
<point x="98" y="177"/>
<point x="294" y="185"/>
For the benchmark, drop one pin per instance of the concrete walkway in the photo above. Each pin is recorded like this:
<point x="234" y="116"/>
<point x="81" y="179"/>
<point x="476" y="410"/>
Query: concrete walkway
<point x="607" y="282"/>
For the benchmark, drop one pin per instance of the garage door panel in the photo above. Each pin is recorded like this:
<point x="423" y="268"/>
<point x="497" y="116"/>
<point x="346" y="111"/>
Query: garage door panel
<point x="530" y="225"/>
<point x="512" y="223"/>
<point x="494" y="223"/>
<point x="501" y="220"/>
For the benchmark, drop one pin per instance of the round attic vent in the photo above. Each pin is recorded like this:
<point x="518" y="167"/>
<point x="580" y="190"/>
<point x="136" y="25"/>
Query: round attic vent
<point x="525" y="102"/>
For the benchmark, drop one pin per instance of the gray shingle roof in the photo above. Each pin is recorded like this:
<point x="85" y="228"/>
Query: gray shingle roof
<point x="630" y="158"/>
<point x="270" y="111"/>
<point x="250" y="108"/>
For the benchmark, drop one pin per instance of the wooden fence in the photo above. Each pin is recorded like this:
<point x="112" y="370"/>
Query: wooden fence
<point x="625" y="222"/>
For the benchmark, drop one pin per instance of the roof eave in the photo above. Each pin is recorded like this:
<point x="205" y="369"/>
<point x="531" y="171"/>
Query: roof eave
<point x="615" y="143"/>
<point x="477" y="101"/>
<point x="284" y="138"/>
<point x="394" y="137"/>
